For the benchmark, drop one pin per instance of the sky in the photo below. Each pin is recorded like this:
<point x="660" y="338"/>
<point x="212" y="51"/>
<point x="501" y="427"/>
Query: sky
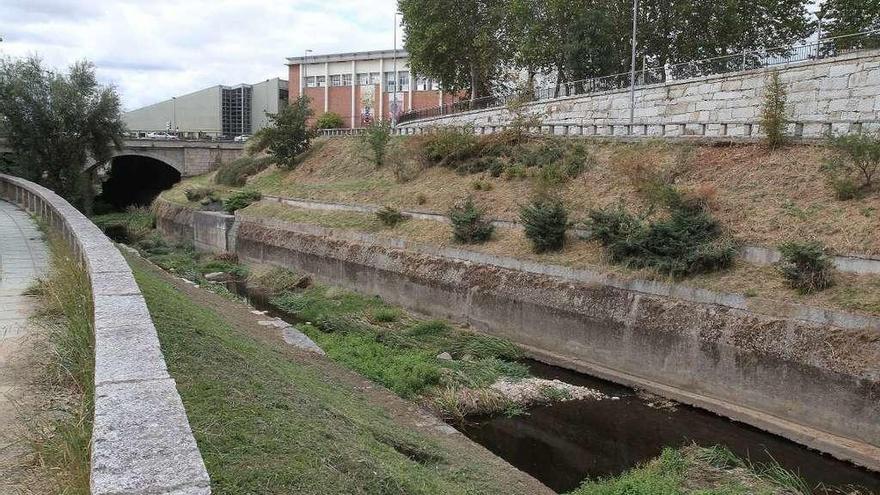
<point x="151" y="50"/>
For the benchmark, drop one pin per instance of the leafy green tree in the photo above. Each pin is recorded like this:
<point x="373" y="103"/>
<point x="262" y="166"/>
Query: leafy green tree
<point x="843" y="17"/>
<point x="288" y="134"/>
<point x="58" y="124"/>
<point x="462" y="45"/>
<point x="376" y="136"/>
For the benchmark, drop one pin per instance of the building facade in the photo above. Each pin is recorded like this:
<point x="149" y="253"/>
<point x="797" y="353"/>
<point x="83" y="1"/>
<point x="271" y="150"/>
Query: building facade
<point x="362" y="87"/>
<point x="216" y="112"/>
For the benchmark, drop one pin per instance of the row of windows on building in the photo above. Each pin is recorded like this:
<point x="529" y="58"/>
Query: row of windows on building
<point x="370" y="78"/>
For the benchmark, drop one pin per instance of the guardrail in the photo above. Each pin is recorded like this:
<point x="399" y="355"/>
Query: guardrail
<point x="141" y="438"/>
<point x="736" y="62"/>
<point x="357" y="131"/>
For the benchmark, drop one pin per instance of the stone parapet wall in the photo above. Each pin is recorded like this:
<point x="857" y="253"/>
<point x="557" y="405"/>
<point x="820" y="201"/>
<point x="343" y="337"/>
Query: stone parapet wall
<point x="839" y="95"/>
<point x="141" y="438"/>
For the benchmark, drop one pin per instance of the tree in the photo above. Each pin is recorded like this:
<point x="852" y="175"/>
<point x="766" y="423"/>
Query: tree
<point x="58" y="124"/>
<point x="773" y="112"/>
<point x="459" y="44"/>
<point x="288" y="134"/>
<point x="843" y="17"/>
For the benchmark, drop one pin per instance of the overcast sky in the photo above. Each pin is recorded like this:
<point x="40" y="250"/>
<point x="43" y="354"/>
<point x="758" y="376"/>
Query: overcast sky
<point x="154" y="49"/>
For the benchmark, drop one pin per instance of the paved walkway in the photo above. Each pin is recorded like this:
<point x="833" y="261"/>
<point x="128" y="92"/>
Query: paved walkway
<point x="23" y="258"/>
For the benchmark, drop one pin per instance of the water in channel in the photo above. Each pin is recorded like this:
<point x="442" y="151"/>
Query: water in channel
<point x="564" y="443"/>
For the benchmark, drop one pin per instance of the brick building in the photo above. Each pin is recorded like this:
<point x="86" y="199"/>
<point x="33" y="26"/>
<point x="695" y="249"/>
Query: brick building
<point x="361" y="86"/>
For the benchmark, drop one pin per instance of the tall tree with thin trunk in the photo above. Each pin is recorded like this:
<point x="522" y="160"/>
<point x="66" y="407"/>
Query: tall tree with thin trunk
<point x="58" y="124"/>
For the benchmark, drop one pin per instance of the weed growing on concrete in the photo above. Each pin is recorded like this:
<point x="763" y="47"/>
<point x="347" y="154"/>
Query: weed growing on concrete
<point x="806" y="266"/>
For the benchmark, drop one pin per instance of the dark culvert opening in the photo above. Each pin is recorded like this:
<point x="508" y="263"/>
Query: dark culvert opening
<point x="135" y="181"/>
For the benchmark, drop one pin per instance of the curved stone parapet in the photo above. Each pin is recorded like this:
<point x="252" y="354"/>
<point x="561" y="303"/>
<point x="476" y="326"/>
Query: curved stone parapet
<point x="141" y="438"/>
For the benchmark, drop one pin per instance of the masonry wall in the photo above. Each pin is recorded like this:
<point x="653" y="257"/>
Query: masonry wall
<point x="831" y="94"/>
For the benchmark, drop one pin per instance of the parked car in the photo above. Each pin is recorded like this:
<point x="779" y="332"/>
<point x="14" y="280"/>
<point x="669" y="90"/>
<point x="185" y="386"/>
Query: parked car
<point x="163" y="136"/>
<point x="241" y="139"/>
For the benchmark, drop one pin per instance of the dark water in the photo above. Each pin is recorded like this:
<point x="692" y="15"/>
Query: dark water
<point x="565" y="443"/>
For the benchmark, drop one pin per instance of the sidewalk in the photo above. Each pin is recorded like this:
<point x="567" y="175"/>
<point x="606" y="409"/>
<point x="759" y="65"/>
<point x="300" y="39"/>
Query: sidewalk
<point x="23" y="258"/>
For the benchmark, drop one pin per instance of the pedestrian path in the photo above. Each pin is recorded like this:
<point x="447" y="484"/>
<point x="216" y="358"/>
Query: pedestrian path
<point x="23" y="258"/>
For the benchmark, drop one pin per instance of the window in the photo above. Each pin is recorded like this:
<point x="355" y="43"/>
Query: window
<point x="346" y="79"/>
<point x="435" y="86"/>
<point x="321" y="81"/>
<point x="374" y="78"/>
<point x="423" y="84"/>
<point x="310" y="81"/>
<point x="403" y="77"/>
<point x="336" y="80"/>
<point x="390" y="87"/>
<point x="363" y="79"/>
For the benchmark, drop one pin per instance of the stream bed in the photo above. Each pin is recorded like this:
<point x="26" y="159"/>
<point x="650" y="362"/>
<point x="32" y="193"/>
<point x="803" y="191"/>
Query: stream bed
<point x="564" y="443"/>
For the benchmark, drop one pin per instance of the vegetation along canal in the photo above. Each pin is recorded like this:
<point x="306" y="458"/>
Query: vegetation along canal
<point x="564" y="443"/>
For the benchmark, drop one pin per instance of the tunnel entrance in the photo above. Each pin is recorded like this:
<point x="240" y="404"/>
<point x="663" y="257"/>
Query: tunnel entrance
<point x="135" y="181"/>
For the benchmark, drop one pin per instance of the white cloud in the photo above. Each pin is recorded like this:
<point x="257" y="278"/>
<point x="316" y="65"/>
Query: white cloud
<point x="152" y="50"/>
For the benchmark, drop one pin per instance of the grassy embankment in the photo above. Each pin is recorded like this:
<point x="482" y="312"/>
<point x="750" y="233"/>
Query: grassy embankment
<point x="759" y="197"/>
<point x="60" y="436"/>
<point x="271" y="420"/>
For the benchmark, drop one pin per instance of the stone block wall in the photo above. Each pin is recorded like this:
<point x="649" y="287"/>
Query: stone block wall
<point x="838" y="94"/>
<point x="141" y="438"/>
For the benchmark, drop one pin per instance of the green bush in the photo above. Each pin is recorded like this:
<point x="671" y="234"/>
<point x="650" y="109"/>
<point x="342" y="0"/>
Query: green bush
<point x="844" y="188"/>
<point x="545" y="220"/>
<point x="857" y="157"/>
<point x="773" y="119"/>
<point x="376" y="136"/>
<point x="236" y="172"/>
<point x="329" y="120"/>
<point x="450" y="147"/>
<point x="199" y="193"/>
<point x="390" y="217"/>
<point x="241" y="199"/>
<point x="806" y="266"/>
<point x="687" y="242"/>
<point x="468" y="224"/>
<point x="288" y="134"/>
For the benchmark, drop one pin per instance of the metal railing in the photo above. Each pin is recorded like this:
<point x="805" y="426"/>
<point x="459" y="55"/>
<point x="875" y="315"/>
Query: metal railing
<point x="736" y="62"/>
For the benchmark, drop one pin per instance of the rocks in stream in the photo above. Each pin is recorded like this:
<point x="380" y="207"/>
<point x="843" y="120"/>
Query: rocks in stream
<point x="539" y="390"/>
<point x="293" y="336"/>
<point x="444" y="356"/>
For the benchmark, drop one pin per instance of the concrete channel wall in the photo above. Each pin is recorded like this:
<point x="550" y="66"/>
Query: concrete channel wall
<point x="805" y="373"/>
<point x="141" y="439"/>
<point x="838" y="95"/>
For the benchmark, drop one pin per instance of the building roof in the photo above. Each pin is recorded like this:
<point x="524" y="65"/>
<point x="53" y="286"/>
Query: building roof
<point x="347" y="57"/>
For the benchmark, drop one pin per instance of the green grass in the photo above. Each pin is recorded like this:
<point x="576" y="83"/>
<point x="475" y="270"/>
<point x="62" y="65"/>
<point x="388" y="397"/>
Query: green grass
<point x="268" y="423"/>
<point x="61" y="442"/>
<point x="400" y="353"/>
<point x="134" y="223"/>
<point x="699" y="471"/>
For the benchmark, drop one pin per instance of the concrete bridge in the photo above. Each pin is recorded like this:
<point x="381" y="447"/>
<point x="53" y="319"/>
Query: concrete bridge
<point x="188" y="158"/>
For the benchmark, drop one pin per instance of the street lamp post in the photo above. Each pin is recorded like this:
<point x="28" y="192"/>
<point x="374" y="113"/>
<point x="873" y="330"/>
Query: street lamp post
<point x="632" y="74"/>
<point x="396" y="76"/>
<point x="305" y="67"/>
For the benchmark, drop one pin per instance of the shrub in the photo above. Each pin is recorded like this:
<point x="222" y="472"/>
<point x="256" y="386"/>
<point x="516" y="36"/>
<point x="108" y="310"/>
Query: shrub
<point x="845" y="188"/>
<point x="856" y="156"/>
<point x="545" y="220"/>
<point x="481" y="185"/>
<point x="200" y="193"/>
<point x="806" y="266"/>
<point x="385" y="315"/>
<point x="773" y="119"/>
<point x="515" y="171"/>
<point x="241" y="199"/>
<point x="421" y="198"/>
<point x="236" y="172"/>
<point x="288" y="134"/>
<point x="390" y="216"/>
<point x="687" y="242"/>
<point x="468" y="224"/>
<point x="329" y="120"/>
<point x="449" y="147"/>
<point x="376" y="136"/>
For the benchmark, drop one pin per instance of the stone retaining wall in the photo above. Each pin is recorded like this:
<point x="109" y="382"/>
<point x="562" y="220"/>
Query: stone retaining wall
<point x="141" y="439"/>
<point x="837" y="94"/>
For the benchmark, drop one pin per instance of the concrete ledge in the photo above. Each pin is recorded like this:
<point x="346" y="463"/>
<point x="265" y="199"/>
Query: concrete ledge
<point x="141" y="439"/>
